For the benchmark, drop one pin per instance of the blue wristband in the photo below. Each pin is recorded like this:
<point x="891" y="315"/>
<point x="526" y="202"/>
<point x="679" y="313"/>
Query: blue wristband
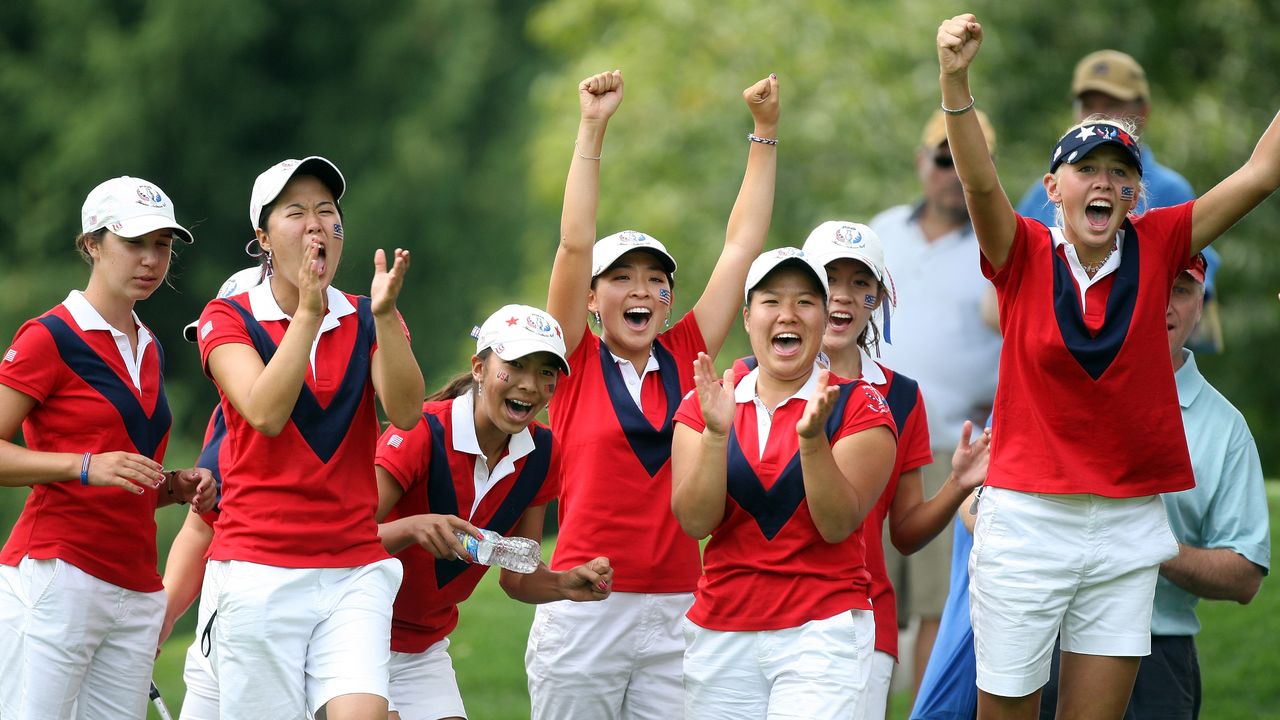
<point x="84" y="469"/>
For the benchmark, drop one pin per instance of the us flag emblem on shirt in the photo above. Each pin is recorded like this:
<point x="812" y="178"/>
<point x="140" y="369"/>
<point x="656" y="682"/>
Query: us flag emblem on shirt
<point x="395" y="441"/>
<point x="9" y="356"/>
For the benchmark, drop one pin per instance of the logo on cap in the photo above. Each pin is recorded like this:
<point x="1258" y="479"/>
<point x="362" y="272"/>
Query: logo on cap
<point x="788" y="252"/>
<point x="848" y="236"/>
<point x="631" y="237"/>
<point x="539" y="325"/>
<point x="150" y="196"/>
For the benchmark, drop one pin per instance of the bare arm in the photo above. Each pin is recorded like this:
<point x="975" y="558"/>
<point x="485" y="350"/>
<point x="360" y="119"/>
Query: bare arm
<point x="1213" y="573"/>
<point x="913" y="521"/>
<point x="184" y="570"/>
<point x="699" y="460"/>
<point x="841" y="482"/>
<point x="719" y="305"/>
<point x="598" y="97"/>
<point x="1228" y="201"/>
<point x="992" y="215"/>
<point x="397" y="379"/>
<point x="589" y="581"/>
<point x="21" y="467"/>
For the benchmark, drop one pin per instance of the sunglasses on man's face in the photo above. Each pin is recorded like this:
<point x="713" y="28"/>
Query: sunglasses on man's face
<point x="943" y="162"/>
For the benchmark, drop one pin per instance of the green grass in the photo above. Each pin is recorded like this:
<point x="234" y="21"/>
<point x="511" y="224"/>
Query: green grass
<point x="1239" y="665"/>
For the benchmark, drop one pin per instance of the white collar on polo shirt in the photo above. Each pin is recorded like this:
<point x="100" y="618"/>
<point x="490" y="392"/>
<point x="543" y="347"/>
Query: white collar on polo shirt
<point x="1082" y="278"/>
<point x="464" y="440"/>
<point x="87" y="317"/>
<point x="871" y="370"/>
<point x="745" y="392"/>
<point x="263" y="305"/>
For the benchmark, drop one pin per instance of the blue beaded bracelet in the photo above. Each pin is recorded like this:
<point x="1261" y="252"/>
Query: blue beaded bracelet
<point x="84" y="468"/>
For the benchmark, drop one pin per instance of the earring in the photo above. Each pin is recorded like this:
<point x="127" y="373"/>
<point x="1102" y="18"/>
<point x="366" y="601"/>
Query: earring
<point x="666" y="323"/>
<point x="597" y="317"/>
<point x="270" y="267"/>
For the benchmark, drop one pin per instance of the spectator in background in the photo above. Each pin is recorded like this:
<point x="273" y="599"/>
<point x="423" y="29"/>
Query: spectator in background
<point x="1112" y="84"/>
<point x="1221" y="526"/>
<point x="939" y="338"/>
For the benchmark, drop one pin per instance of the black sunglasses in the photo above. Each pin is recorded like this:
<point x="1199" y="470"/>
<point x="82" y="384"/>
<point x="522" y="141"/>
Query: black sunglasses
<point x="944" y="162"/>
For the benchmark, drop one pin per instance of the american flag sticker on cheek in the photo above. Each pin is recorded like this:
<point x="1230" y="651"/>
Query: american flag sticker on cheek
<point x="869" y="301"/>
<point x="337" y="230"/>
<point x="1126" y="192"/>
<point x="664" y="296"/>
<point x="549" y="388"/>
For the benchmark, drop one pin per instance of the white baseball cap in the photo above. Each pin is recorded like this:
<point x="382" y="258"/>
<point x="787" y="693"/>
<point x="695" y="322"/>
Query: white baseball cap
<point x="239" y="282"/>
<point x="607" y="250"/>
<point x="515" y="331"/>
<point x="842" y="239"/>
<point x="129" y="207"/>
<point x="272" y="180"/>
<point x="771" y="259"/>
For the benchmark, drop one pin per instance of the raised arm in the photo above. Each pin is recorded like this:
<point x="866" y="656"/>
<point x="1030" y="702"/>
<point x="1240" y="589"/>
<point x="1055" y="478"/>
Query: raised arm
<point x="718" y="306"/>
<point x="265" y="395"/>
<point x="1228" y="201"/>
<point x="598" y="98"/>
<point x="397" y="379"/>
<point x="989" y="209"/>
<point x="699" y="460"/>
<point x="841" y="481"/>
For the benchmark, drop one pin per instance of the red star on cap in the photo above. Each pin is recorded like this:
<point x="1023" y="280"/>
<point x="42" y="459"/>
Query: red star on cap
<point x="511" y="322"/>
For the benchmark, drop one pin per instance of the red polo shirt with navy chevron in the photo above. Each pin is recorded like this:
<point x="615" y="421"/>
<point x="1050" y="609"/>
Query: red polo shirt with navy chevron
<point x="438" y="478"/>
<point x="615" y="497"/>
<point x="1088" y="404"/>
<point x="307" y="497"/>
<point x="86" y="402"/>
<point x="766" y="566"/>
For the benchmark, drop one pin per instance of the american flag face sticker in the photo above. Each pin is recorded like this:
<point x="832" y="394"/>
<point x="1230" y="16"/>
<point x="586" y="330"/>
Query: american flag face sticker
<point x="664" y="296"/>
<point x="1126" y="193"/>
<point x="869" y="302"/>
<point x="337" y="230"/>
<point x="395" y="441"/>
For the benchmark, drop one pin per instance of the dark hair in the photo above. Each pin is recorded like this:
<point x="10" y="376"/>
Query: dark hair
<point x="459" y="384"/>
<point x="83" y="240"/>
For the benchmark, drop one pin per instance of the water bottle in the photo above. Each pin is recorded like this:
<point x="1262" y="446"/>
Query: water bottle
<point x="517" y="554"/>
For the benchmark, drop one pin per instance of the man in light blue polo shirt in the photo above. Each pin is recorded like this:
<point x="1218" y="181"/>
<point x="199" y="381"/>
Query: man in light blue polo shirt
<point x="1222" y="526"/>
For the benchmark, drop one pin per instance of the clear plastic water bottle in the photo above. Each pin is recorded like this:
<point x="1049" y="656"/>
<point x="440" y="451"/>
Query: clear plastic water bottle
<point x="518" y="554"/>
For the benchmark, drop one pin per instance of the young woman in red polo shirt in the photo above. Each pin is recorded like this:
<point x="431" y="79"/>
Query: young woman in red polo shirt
<point x="1088" y="429"/>
<point x="80" y="601"/>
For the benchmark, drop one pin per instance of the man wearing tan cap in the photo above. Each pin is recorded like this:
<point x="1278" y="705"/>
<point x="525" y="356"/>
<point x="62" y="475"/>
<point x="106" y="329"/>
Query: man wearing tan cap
<point x="939" y="338"/>
<point x="1111" y="83"/>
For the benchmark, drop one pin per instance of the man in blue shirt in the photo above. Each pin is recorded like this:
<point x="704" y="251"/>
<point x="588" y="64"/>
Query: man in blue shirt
<point x="1113" y="84"/>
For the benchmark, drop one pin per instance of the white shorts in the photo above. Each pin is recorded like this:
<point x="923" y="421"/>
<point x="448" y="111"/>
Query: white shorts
<point x="877" y="699"/>
<point x="816" y="670"/>
<point x="1080" y="566"/>
<point x="289" y="640"/>
<point x="201" y="701"/>
<point x="424" y="685"/>
<point x="69" y="641"/>
<point x="618" y="658"/>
